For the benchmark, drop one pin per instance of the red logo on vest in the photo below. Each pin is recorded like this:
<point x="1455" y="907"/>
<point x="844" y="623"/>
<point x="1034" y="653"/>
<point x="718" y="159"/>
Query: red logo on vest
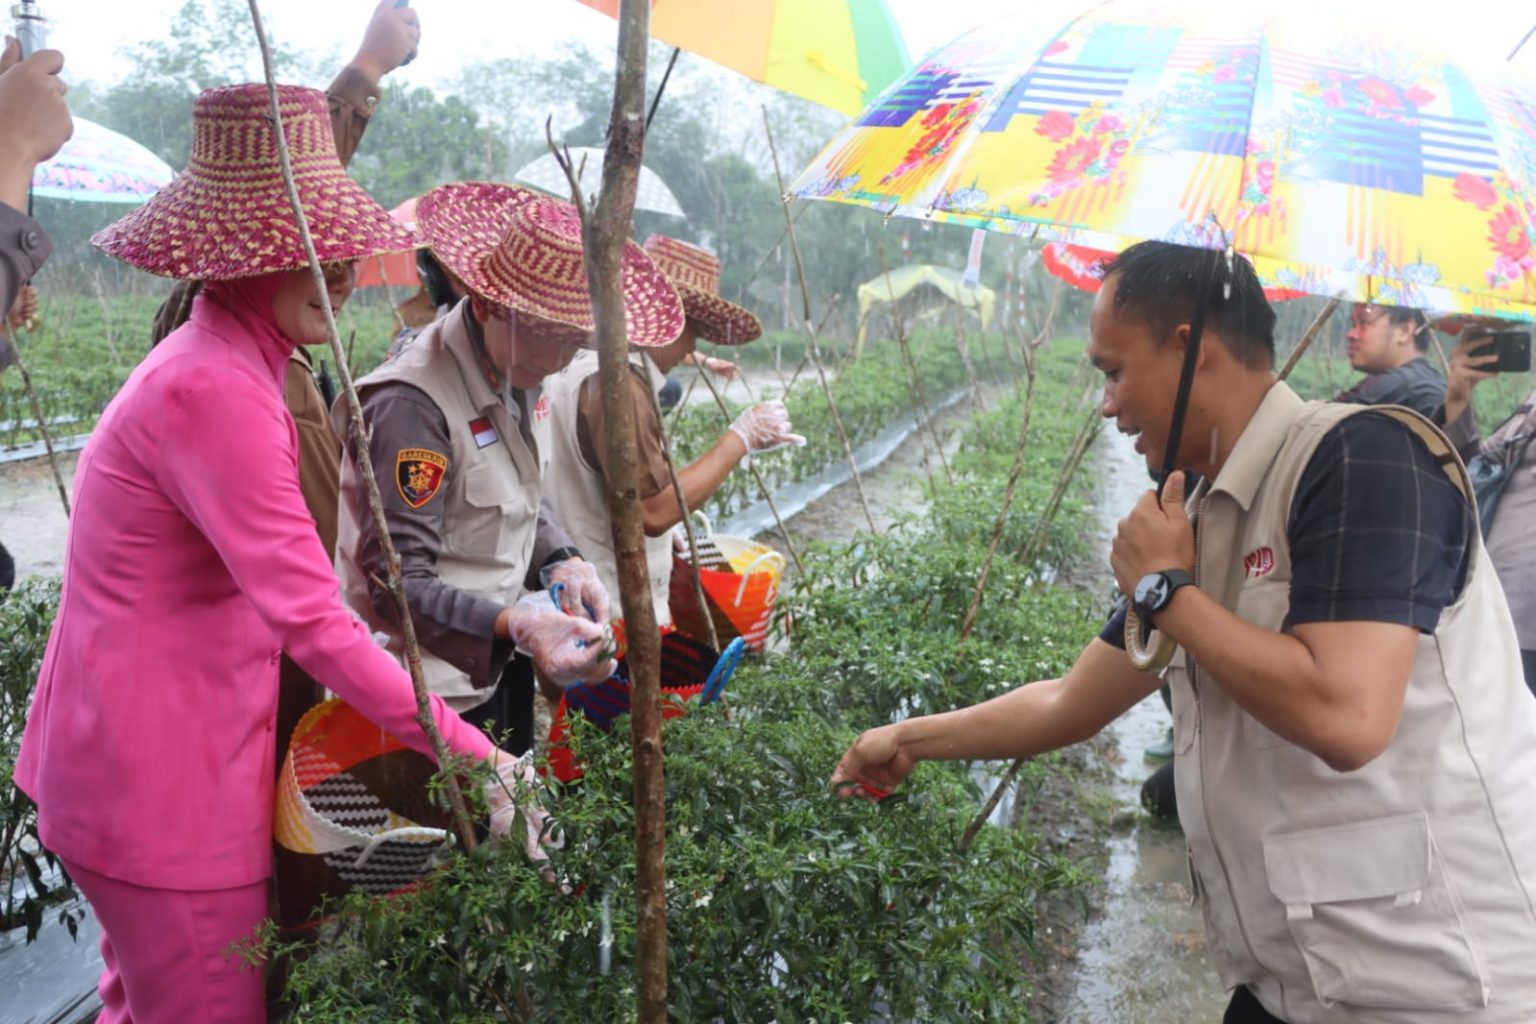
<point x="1259" y="563"/>
<point x="541" y="408"/>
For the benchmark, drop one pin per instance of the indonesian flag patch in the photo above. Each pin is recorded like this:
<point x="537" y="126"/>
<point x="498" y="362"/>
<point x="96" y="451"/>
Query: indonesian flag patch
<point x="419" y="475"/>
<point x="483" y="431"/>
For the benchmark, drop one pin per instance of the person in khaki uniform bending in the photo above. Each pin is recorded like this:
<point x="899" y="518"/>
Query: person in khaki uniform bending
<point x="1355" y="748"/>
<point x="459" y="436"/>
<point x="578" y="471"/>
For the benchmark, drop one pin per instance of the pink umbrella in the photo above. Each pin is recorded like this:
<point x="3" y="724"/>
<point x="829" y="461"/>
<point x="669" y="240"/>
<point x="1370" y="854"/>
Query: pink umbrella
<point x="397" y="269"/>
<point x="99" y="165"/>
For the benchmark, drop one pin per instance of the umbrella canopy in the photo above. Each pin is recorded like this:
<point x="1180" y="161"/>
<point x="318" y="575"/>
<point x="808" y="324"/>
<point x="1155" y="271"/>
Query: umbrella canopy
<point x="1340" y="161"/>
<point x="1083" y="267"/>
<point x="99" y="165"/>
<point x="838" y="53"/>
<point x="546" y="175"/>
<point x="396" y="269"/>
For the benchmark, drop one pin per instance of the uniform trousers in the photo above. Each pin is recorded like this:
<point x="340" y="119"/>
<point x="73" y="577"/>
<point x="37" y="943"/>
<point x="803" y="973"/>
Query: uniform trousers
<point x="167" y="952"/>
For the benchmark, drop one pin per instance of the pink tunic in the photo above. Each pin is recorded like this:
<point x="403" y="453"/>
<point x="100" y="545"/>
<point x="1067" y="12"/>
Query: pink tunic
<point x="191" y="564"/>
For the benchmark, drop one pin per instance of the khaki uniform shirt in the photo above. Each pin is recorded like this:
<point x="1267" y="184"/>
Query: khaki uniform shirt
<point x="460" y="471"/>
<point x="578" y="472"/>
<point x="1401" y="893"/>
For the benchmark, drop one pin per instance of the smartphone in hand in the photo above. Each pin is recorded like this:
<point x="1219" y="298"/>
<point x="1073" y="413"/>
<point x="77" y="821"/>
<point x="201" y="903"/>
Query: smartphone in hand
<point x="1513" y="349"/>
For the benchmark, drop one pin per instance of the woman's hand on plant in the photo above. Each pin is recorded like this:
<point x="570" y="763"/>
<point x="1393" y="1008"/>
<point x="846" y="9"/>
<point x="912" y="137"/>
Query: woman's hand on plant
<point x="873" y="766"/>
<point x="512" y="792"/>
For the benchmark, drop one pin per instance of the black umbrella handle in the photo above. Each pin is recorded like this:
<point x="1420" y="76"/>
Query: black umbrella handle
<point x="1187" y="377"/>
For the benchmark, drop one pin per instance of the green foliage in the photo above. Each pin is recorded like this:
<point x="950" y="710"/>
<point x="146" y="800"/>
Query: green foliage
<point x="783" y="902"/>
<point x="32" y="880"/>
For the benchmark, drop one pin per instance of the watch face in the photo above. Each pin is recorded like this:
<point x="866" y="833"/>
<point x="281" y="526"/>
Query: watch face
<point x="1151" y="591"/>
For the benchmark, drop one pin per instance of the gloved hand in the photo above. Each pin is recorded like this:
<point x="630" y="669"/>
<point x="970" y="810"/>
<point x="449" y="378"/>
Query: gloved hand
<point x="584" y="594"/>
<point x="566" y="649"/>
<point x="765" y="427"/>
<point x="515" y="790"/>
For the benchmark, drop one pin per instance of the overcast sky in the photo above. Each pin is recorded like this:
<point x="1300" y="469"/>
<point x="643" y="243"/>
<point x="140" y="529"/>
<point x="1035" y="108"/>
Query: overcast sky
<point x="94" y="33"/>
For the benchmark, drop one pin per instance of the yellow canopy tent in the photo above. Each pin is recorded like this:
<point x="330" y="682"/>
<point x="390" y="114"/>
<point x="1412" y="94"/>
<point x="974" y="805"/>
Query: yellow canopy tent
<point x="895" y="286"/>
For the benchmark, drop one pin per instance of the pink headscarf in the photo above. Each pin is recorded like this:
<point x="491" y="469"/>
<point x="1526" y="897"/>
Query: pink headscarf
<point x="249" y="301"/>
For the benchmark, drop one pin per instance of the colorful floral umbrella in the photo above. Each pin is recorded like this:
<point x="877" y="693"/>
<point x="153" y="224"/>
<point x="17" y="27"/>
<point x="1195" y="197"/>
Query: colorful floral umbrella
<point x="838" y="53"/>
<point x="99" y="165"/>
<point x="1083" y="267"/>
<point x="1341" y="161"/>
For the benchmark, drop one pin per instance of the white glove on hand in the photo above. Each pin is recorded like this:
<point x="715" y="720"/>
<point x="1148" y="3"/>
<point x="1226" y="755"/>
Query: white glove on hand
<point x="515" y="790"/>
<point x="765" y="427"/>
<point x="583" y="589"/>
<point x="566" y="649"/>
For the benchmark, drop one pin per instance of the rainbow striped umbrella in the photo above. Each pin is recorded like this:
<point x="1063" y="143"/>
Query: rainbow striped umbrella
<point x="1341" y="161"/>
<point x="838" y="53"/>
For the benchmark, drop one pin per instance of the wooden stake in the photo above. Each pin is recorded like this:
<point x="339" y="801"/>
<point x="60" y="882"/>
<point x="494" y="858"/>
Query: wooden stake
<point x="762" y="485"/>
<point x="682" y="499"/>
<point x="42" y="424"/>
<point x="605" y="230"/>
<point x="810" y="333"/>
<point x="920" y="407"/>
<point x="394" y="583"/>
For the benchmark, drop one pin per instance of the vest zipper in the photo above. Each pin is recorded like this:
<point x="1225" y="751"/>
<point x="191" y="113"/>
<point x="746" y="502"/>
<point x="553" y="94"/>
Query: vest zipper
<point x="1221" y="863"/>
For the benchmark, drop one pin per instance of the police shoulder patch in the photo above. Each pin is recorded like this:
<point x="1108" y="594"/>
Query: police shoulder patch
<point x="419" y="474"/>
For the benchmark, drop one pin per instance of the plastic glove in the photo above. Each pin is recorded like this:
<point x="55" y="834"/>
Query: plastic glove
<point x="584" y="593"/>
<point x="515" y="791"/>
<point x="765" y="427"/>
<point x="566" y="649"/>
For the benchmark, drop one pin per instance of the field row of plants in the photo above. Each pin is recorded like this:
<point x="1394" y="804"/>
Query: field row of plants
<point x="871" y="393"/>
<point x="786" y="903"/>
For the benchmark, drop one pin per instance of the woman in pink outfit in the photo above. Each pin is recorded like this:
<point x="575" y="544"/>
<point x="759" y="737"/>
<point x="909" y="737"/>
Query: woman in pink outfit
<point x="192" y="563"/>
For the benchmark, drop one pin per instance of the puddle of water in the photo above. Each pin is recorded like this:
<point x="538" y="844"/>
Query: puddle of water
<point x="1143" y="959"/>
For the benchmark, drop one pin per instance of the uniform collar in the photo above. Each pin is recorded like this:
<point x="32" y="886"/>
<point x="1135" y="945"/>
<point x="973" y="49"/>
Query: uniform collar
<point x="461" y="337"/>
<point x="1255" y="450"/>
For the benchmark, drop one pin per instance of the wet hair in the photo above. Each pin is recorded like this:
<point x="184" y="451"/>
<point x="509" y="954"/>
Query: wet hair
<point x="1414" y="318"/>
<point x="1159" y="282"/>
<point x="435" y="279"/>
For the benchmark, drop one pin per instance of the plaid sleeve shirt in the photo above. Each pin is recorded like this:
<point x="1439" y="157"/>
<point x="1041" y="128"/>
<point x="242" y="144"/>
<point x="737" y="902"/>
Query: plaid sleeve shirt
<point x="1377" y="532"/>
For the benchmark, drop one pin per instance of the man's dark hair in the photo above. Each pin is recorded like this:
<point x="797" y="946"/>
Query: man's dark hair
<point x="1160" y="283"/>
<point x="1414" y="318"/>
<point x="435" y="279"/>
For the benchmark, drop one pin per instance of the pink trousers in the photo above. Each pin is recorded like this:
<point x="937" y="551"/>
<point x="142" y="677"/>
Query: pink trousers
<point x="167" y="952"/>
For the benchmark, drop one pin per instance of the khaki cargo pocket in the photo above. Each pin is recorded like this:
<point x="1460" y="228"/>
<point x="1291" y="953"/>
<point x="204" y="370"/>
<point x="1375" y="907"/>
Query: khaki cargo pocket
<point x="494" y="509"/>
<point x="1376" y="917"/>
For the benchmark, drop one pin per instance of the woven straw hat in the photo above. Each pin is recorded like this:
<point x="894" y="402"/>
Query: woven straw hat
<point x="228" y="216"/>
<point x="521" y="249"/>
<point x="696" y="273"/>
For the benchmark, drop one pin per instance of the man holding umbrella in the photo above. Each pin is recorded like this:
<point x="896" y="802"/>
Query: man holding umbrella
<point x="1354" y="740"/>
<point x="578" y="472"/>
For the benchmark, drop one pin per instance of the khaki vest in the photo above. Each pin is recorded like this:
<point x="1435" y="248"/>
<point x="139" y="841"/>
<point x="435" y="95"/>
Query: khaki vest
<point x="580" y="495"/>
<point x="1394" y="894"/>
<point x="490" y="495"/>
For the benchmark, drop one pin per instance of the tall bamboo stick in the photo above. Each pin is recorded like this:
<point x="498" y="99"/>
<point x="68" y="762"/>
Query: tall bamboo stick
<point x="605" y="230"/>
<point x="810" y="333"/>
<point x="42" y="424"/>
<point x="365" y="464"/>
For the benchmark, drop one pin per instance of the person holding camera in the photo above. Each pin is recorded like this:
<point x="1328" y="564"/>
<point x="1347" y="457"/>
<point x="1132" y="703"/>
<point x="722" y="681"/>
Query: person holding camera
<point x="1387" y="343"/>
<point x="1505" y="454"/>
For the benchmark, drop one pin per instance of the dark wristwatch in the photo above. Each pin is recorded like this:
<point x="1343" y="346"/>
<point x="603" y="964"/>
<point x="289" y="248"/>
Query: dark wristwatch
<point x="1156" y="589"/>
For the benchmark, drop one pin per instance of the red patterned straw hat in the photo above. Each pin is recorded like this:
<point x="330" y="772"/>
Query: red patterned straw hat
<point x="521" y="249"/>
<point x="228" y="216"/>
<point x="696" y="273"/>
